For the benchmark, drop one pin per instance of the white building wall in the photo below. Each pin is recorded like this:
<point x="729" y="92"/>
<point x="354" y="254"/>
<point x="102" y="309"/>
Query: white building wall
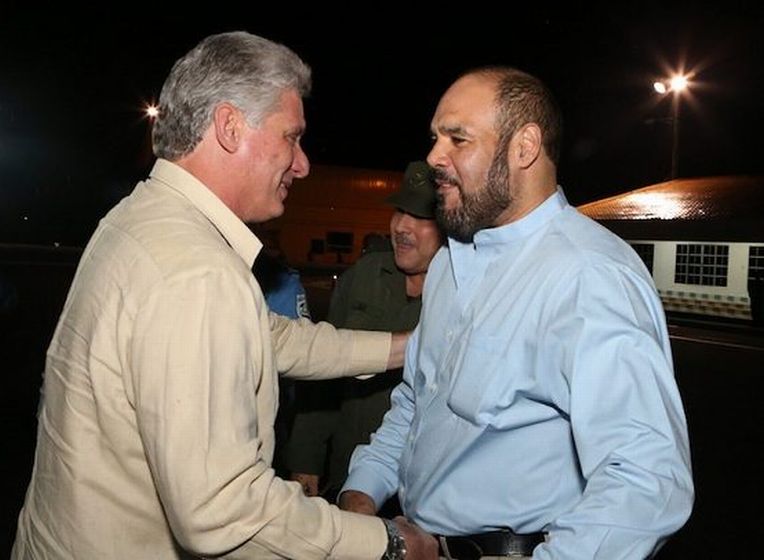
<point x="731" y="300"/>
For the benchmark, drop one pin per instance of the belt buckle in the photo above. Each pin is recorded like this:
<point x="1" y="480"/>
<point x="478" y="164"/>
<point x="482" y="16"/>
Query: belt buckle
<point x="468" y="549"/>
<point x="515" y="546"/>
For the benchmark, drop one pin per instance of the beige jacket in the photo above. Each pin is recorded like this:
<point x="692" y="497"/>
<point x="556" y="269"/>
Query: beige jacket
<point x="156" y="423"/>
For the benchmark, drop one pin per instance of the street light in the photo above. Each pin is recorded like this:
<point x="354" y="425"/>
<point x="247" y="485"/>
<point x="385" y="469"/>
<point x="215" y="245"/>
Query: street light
<point x="152" y="111"/>
<point x="676" y="85"/>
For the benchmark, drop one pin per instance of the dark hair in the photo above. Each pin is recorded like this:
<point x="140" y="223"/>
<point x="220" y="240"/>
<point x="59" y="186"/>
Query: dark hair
<point x="521" y="99"/>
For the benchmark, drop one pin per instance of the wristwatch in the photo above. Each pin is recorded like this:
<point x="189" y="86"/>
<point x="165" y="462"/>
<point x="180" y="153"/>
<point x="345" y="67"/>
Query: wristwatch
<point x="396" y="546"/>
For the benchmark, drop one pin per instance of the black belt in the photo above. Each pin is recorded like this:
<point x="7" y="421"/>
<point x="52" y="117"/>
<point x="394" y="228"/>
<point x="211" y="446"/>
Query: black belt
<point x="496" y="543"/>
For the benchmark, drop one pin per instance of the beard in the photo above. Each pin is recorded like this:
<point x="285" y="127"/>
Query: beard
<point x="480" y="209"/>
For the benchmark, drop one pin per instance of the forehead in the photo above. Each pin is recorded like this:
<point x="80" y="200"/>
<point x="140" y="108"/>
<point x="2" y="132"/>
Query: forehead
<point x="289" y="111"/>
<point x="469" y="103"/>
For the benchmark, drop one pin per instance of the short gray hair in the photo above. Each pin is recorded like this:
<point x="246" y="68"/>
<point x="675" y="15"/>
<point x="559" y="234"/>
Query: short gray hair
<point x="248" y="71"/>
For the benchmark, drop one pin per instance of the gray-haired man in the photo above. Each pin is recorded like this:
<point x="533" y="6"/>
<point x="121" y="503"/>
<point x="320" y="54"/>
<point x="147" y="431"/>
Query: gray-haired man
<point x="156" y="427"/>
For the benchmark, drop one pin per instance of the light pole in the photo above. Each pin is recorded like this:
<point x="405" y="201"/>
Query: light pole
<point x="676" y="85"/>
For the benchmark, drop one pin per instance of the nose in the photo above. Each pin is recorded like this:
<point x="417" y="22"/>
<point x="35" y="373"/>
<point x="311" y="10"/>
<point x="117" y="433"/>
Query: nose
<point x="437" y="156"/>
<point x="300" y="164"/>
<point x="403" y="223"/>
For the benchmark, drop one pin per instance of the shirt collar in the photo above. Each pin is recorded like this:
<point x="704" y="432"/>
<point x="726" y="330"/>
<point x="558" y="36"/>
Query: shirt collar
<point x="469" y="260"/>
<point x="234" y="231"/>
<point x="525" y="226"/>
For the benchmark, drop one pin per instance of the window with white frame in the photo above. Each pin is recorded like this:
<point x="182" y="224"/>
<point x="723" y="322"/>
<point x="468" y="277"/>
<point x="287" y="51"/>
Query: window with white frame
<point x="701" y="264"/>
<point x="755" y="262"/>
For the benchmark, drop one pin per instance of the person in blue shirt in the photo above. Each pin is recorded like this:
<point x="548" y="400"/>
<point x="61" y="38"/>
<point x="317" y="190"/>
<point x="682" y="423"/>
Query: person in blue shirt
<point x="281" y="285"/>
<point x="538" y="413"/>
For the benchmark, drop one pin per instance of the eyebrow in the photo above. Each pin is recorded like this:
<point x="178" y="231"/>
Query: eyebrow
<point x="450" y="130"/>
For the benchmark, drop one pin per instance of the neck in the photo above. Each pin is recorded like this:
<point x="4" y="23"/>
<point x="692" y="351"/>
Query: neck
<point x="522" y="206"/>
<point x="216" y="168"/>
<point x="533" y="187"/>
<point x="414" y="284"/>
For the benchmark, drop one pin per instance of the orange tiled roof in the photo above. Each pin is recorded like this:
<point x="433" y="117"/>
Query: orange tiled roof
<point x="704" y="198"/>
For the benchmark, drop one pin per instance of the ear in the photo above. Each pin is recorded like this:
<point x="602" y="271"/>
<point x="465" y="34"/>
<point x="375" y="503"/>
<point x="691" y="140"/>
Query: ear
<point x="228" y="122"/>
<point x="526" y="146"/>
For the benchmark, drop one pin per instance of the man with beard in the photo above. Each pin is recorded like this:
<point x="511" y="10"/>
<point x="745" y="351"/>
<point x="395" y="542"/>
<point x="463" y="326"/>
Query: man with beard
<point x="381" y="292"/>
<point x="538" y="413"/>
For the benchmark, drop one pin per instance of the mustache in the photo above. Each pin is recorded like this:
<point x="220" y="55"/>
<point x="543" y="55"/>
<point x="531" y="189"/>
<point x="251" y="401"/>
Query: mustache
<point x="402" y="239"/>
<point x="442" y="176"/>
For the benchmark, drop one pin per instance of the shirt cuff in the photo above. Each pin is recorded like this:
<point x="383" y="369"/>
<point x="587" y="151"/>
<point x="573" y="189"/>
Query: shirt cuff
<point x="368" y="482"/>
<point x="369" y="351"/>
<point x="363" y="536"/>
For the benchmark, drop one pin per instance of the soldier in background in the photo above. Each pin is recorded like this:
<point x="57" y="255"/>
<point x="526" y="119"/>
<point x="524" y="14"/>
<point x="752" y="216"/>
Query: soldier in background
<point x="381" y="292"/>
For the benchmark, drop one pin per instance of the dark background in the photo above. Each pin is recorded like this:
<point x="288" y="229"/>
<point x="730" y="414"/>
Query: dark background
<point x="73" y="83"/>
<point x="73" y="140"/>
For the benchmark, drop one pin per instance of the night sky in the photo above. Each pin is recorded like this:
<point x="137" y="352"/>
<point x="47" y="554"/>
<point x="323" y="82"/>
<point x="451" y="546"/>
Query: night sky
<point x="73" y="139"/>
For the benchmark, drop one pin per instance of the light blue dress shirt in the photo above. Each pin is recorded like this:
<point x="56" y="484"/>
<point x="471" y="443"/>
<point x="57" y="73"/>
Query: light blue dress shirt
<point x="538" y="394"/>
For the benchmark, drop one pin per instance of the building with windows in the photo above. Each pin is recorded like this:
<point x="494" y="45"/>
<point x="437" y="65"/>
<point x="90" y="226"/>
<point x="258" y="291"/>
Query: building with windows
<point x="702" y="240"/>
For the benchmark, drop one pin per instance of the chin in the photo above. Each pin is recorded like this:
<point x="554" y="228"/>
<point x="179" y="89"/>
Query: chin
<point x="404" y="264"/>
<point x="263" y="215"/>
<point x="277" y="210"/>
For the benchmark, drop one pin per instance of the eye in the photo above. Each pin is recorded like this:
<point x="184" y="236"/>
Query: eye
<point x="293" y="137"/>
<point x="458" y="140"/>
